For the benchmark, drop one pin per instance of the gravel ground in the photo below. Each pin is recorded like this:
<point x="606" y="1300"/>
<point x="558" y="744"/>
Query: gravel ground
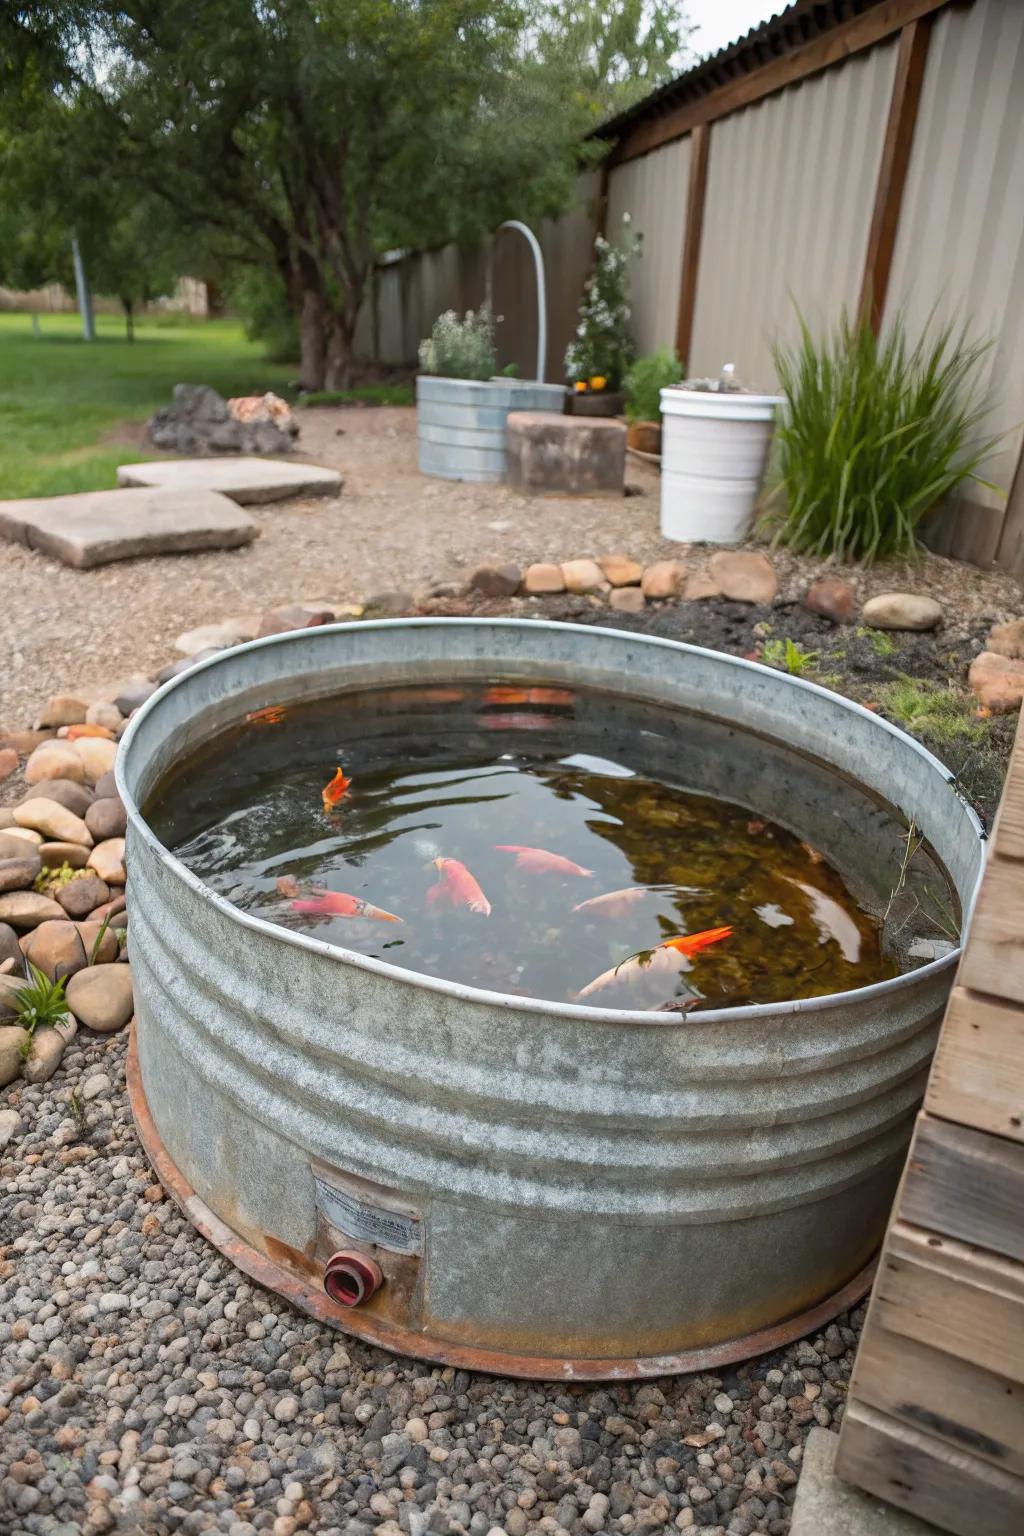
<point x="146" y="1386"/>
<point x="391" y="529"/>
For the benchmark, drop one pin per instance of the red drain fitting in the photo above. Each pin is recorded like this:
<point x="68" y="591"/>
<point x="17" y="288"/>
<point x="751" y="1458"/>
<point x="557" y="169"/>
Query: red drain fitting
<point x="351" y="1278"/>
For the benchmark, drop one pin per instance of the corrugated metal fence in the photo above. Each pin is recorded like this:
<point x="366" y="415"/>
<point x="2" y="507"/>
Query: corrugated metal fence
<point x="796" y="174"/>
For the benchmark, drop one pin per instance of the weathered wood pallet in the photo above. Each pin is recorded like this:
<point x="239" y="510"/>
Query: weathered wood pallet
<point x="935" y="1417"/>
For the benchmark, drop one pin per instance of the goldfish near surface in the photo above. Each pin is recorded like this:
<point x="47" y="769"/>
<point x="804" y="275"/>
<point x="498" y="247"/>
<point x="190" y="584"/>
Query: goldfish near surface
<point x="316" y="902"/>
<point x="538" y="861"/>
<point x="612" y="903"/>
<point x="457" y="887"/>
<point x="335" y="790"/>
<point x="673" y="956"/>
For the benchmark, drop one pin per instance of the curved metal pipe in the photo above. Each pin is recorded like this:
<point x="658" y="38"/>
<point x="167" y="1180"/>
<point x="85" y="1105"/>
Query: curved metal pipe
<point x="351" y="1278"/>
<point x="542" y="298"/>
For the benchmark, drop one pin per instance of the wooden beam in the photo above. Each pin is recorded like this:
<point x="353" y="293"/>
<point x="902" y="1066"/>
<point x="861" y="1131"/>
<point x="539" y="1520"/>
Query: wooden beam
<point x="863" y="31"/>
<point x="892" y="168"/>
<point x="601" y="203"/>
<point x="978" y="1075"/>
<point x="966" y="1185"/>
<point x="700" y="142"/>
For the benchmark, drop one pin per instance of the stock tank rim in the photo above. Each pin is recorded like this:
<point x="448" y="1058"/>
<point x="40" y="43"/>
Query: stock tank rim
<point x="893" y="986"/>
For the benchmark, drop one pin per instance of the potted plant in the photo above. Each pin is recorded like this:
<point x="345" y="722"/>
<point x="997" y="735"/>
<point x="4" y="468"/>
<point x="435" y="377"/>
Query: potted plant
<point x="461" y="408"/>
<point x="599" y="354"/>
<point x="644" y="383"/>
<point x="714" y="448"/>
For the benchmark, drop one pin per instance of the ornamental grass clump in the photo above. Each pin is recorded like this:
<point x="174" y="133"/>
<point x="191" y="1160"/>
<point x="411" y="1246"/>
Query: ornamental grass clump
<point x="461" y="349"/>
<point x="874" y="433"/>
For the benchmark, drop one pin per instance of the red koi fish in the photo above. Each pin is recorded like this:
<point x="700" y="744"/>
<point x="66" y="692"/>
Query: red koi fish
<point x="538" y="861"/>
<point x="672" y="956"/>
<point x="613" y="903"/>
<point x="272" y="715"/>
<point x="518" y="696"/>
<point x="457" y="887"/>
<point x="315" y="902"/>
<point x="518" y="722"/>
<point x="335" y="790"/>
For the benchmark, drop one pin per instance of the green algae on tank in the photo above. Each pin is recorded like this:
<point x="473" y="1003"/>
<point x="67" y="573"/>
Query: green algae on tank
<point x="541" y="842"/>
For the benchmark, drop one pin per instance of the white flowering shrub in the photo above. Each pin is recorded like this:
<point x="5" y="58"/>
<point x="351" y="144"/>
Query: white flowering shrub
<point x="461" y="349"/>
<point x="603" y="345"/>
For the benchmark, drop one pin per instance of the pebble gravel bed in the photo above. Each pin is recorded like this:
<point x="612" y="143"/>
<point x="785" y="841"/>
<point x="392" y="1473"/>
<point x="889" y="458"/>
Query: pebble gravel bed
<point x="147" y="1386"/>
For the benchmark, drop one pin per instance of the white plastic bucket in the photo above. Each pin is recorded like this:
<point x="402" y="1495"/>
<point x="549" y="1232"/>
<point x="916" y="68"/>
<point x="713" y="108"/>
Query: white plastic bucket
<point x="714" y="447"/>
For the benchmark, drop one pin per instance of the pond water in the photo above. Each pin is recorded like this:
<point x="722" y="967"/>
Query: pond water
<point x="542" y="842"/>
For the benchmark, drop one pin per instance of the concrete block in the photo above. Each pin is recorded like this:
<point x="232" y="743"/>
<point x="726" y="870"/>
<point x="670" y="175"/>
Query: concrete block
<point x="96" y="527"/>
<point x="826" y="1506"/>
<point x="566" y="455"/>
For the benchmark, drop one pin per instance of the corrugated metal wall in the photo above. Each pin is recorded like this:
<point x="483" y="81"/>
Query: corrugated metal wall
<point x="960" y="243"/>
<point x="791" y="184"/>
<point x="652" y="190"/>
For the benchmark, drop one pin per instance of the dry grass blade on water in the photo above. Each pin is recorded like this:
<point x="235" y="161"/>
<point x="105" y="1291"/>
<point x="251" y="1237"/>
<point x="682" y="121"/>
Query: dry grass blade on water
<point x="875" y="432"/>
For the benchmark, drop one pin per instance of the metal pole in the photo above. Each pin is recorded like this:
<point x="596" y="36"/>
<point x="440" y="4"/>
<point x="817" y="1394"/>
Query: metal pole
<point x="542" y="301"/>
<point x="82" y="289"/>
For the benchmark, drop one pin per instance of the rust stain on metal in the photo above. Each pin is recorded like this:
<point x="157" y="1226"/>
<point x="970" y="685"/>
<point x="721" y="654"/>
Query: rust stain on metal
<point x="282" y="1274"/>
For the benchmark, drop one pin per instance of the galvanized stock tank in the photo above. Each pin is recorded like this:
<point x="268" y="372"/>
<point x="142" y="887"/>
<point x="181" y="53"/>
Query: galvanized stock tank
<point x="461" y="423"/>
<point x="542" y="1189"/>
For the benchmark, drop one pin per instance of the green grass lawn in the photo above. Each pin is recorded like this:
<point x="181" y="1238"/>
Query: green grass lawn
<point x="60" y="396"/>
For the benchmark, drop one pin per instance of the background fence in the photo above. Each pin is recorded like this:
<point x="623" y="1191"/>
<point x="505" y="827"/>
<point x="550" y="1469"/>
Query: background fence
<point x="871" y="151"/>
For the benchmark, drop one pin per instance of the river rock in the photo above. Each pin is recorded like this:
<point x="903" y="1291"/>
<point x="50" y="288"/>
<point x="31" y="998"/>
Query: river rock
<point x="106" y="819"/>
<point x="6" y="818"/>
<point x="10" y="1125"/>
<point x="10" y="986"/>
<point x="133" y="694"/>
<point x="110" y="909"/>
<point x="627" y="600"/>
<point x="699" y="587"/>
<point x="901" y="610"/>
<point x="25" y="909"/>
<point x="107" y="859"/>
<point x="55" y="760"/>
<point x="832" y="598"/>
<point x="663" y="579"/>
<point x="997" y="682"/>
<point x="100" y="943"/>
<point x="541" y="578"/>
<point x="101" y="997"/>
<point x="74" y="797"/>
<point x="220" y="636"/>
<point x="56" y="823"/>
<point x="620" y="570"/>
<point x="97" y="757"/>
<point x="81" y="896"/>
<point x="105" y="787"/>
<point x="56" y="947"/>
<point x="496" y="580"/>
<point x="14" y="846"/>
<point x="10" y="949"/>
<point x="21" y="872"/>
<point x="12" y="1042"/>
<point x="64" y="709"/>
<point x="582" y="576"/>
<point x="1007" y="639"/>
<point x="8" y="762"/>
<point x="744" y="576"/>
<point x="281" y="621"/>
<point x="24" y="835"/>
<point x="54" y="855"/>
<point x="48" y="1046"/>
<point x="105" y="714"/>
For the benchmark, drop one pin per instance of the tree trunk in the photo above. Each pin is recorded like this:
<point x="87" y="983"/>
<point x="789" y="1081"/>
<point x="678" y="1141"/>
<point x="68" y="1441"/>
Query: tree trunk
<point x="129" y="320"/>
<point x="312" y="340"/>
<point x="339" y="352"/>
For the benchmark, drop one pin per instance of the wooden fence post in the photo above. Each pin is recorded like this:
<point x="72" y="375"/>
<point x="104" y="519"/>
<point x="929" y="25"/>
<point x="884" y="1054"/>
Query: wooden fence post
<point x="700" y="142"/>
<point x="892" y="168"/>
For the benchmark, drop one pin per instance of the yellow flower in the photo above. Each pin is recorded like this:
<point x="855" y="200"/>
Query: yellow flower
<point x="598" y="381"/>
<point x="579" y="386"/>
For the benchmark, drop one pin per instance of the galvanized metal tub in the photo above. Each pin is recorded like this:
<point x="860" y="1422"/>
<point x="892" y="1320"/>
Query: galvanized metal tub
<point x="550" y="1190"/>
<point x="460" y="423"/>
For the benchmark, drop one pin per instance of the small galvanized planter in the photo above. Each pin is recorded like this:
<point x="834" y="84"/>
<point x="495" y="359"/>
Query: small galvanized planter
<point x="509" y="1184"/>
<point x="460" y="423"/>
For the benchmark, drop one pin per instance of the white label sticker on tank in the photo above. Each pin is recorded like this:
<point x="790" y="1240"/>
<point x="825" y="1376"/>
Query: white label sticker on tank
<point x="363" y="1217"/>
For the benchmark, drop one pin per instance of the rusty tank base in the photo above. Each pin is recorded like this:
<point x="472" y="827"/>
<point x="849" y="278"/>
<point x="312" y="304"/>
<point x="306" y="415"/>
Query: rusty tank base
<point x="298" y="1289"/>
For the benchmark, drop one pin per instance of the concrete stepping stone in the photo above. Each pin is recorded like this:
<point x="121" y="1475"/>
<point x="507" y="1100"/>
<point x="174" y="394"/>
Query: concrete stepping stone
<point x="245" y="480"/>
<point x="96" y="527"/>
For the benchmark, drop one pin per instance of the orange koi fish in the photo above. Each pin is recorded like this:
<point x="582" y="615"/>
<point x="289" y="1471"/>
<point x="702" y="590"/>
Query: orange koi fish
<point x="316" y="902"/>
<point x="672" y="956"/>
<point x="518" y="722"/>
<point x="335" y="790"/>
<point x="538" y="861"/>
<point x="457" y="887"/>
<point x="272" y="715"/>
<point x="518" y="696"/>
<point x="613" y="903"/>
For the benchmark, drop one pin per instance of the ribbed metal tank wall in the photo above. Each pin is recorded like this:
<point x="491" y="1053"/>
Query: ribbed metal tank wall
<point x="652" y="190"/>
<point x="791" y="185"/>
<point x="960" y="243"/>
